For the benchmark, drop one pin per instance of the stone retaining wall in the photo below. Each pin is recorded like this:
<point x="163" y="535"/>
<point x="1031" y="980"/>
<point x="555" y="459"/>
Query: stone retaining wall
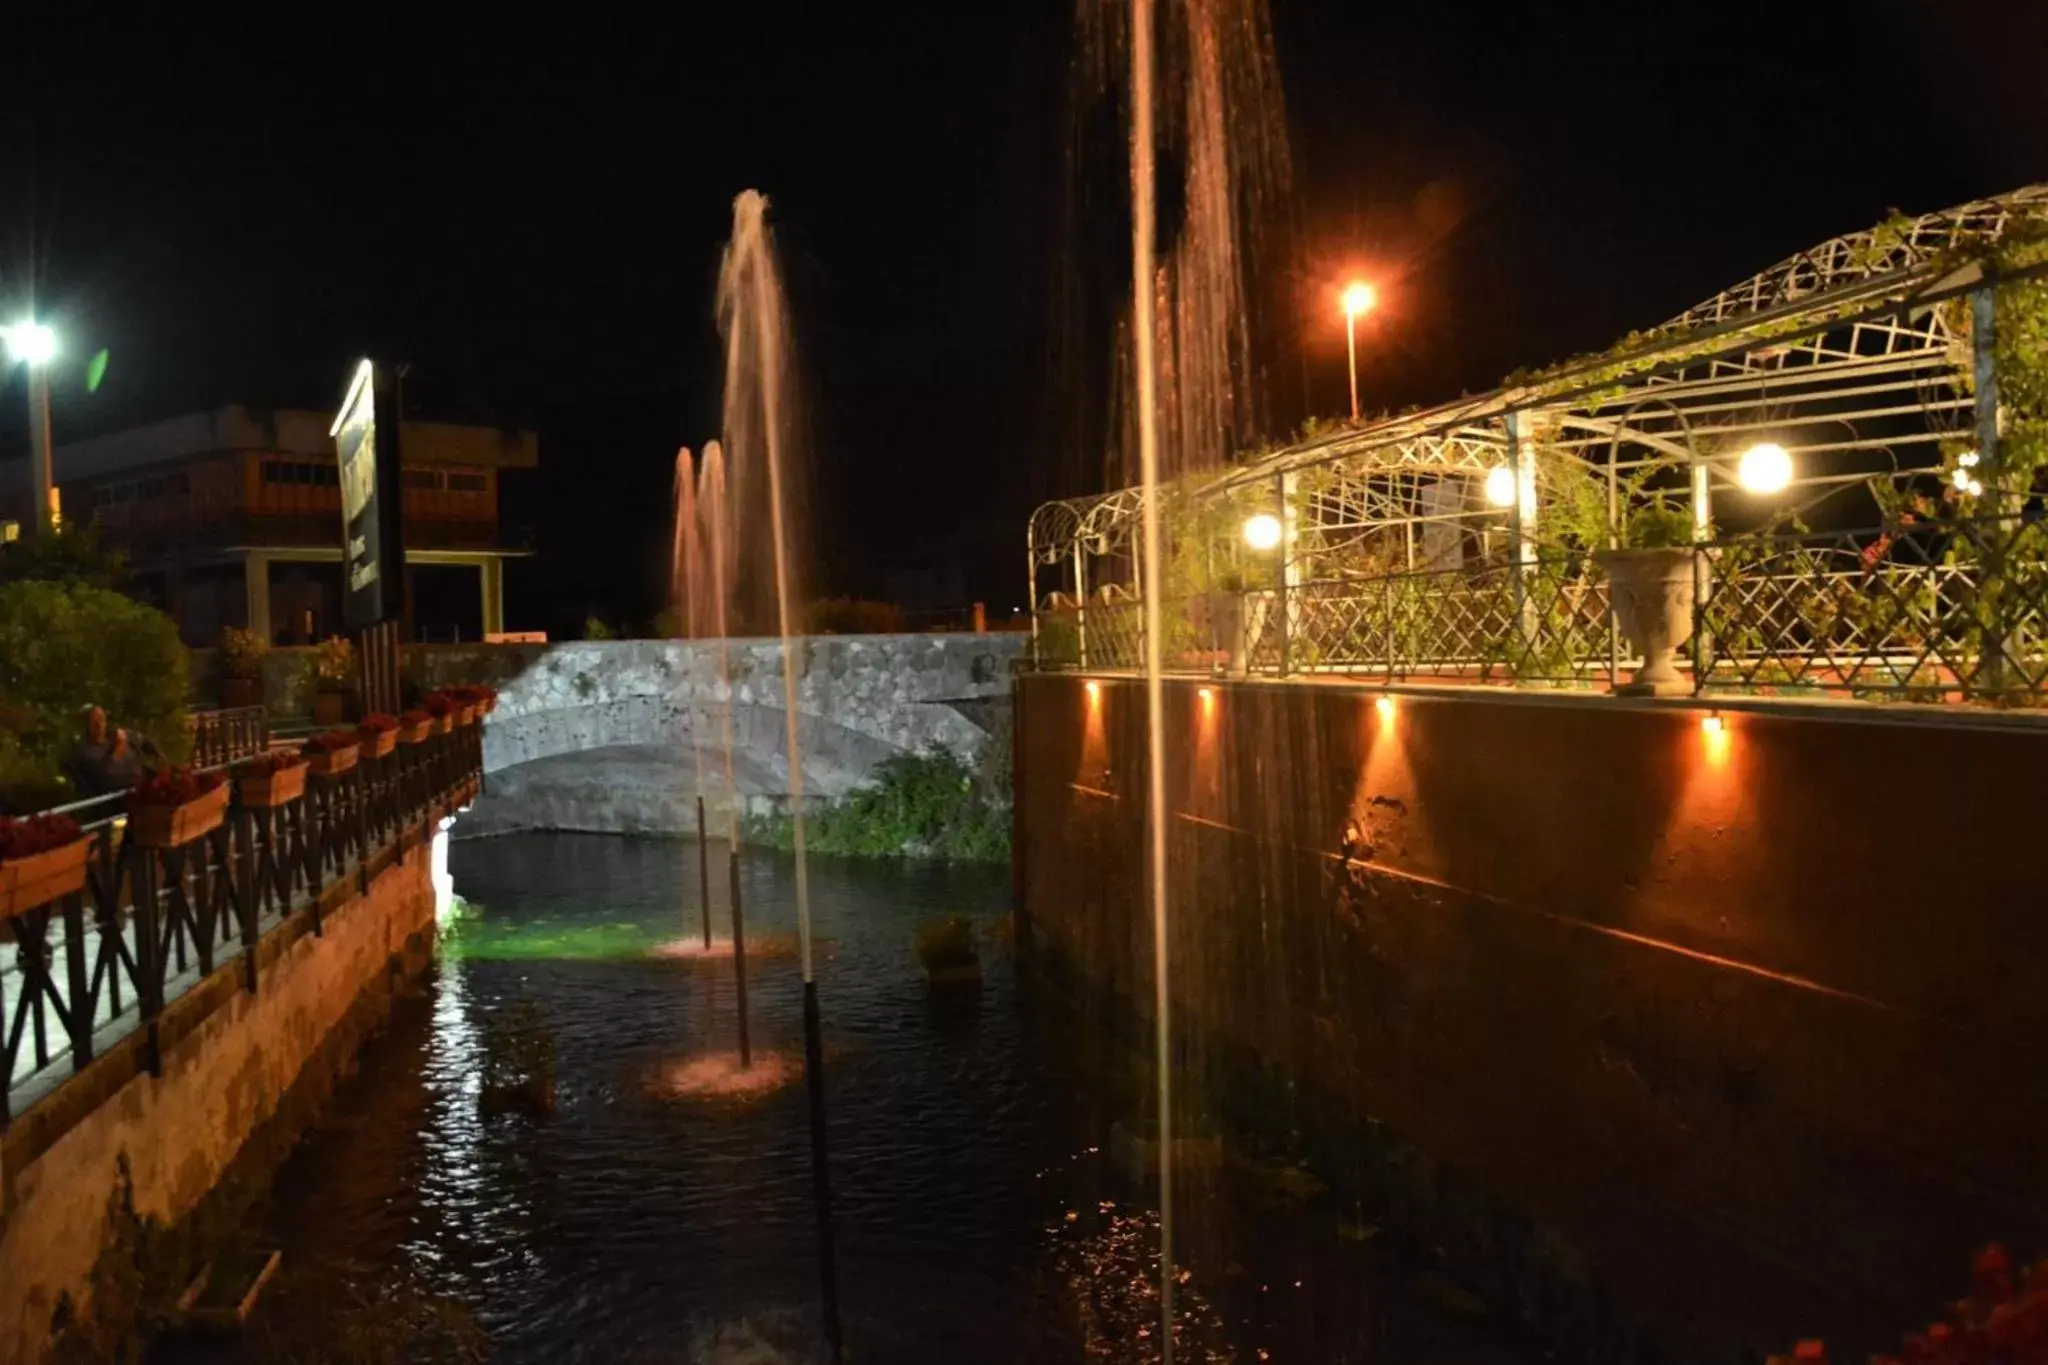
<point x="241" y="1075"/>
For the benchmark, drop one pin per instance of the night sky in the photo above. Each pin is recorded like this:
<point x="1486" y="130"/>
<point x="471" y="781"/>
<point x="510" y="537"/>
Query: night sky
<point x="531" y="216"/>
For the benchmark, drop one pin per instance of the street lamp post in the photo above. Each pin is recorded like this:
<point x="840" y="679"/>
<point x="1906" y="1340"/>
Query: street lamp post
<point x="1359" y="297"/>
<point x="35" y="345"/>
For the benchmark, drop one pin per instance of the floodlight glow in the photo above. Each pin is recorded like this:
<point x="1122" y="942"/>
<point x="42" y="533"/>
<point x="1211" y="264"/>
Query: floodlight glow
<point x="30" y="342"/>
<point x="1262" y="531"/>
<point x="1359" y="297"/>
<point x="1765" y="467"/>
<point x="1500" y="486"/>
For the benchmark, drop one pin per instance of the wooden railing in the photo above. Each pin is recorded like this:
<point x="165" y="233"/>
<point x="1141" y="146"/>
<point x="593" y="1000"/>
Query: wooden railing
<point x="93" y="967"/>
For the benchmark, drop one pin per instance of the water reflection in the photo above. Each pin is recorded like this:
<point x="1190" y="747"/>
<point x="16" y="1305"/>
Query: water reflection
<point x="655" y="1217"/>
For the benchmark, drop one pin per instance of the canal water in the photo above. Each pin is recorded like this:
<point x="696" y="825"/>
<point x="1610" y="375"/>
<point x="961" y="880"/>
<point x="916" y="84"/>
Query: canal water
<point x="988" y="1207"/>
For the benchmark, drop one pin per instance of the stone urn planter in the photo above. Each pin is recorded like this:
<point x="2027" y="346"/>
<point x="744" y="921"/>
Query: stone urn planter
<point x="1226" y="619"/>
<point x="1653" y="602"/>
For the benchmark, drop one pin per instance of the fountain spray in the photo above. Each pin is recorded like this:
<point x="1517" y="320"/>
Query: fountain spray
<point x="1142" y="228"/>
<point x="752" y="316"/>
<point x="686" y="577"/>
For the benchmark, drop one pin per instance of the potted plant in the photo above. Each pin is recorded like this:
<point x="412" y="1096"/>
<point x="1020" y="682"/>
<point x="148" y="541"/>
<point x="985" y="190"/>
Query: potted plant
<point x="42" y="858"/>
<point x="441" y="707"/>
<point x="176" y="806"/>
<point x="334" y="671"/>
<point x="241" y="666"/>
<point x="272" y="779"/>
<point x="414" y="727"/>
<point x="332" y="753"/>
<point x="480" y="699"/>
<point x="945" y="948"/>
<point x="1651" y="580"/>
<point x="378" y="734"/>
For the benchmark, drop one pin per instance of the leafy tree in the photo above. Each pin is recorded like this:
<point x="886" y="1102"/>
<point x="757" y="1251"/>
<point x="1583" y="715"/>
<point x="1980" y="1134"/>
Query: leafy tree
<point x="67" y="645"/>
<point x="72" y="555"/>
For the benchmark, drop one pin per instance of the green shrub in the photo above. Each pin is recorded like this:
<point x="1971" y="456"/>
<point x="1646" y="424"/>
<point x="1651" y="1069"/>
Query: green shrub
<point x="71" y="555"/>
<point x="923" y="805"/>
<point x="64" y="646"/>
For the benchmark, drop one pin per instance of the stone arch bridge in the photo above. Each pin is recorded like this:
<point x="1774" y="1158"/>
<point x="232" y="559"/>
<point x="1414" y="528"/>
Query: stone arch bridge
<point x="614" y="736"/>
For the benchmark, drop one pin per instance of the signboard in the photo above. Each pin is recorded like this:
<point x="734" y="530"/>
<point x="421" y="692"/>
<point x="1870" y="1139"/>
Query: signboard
<point x="372" y="534"/>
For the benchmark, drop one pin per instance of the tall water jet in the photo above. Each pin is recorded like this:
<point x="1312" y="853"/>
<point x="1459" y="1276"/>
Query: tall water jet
<point x="753" y="318"/>
<point x="719" y="545"/>
<point x="1142" y="228"/>
<point x="1223" y="231"/>
<point x="686" y="598"/>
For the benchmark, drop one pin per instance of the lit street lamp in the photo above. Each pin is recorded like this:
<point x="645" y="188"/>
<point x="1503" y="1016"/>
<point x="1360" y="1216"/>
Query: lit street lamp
<point x="35" y="346"/>
<point x="1358" y="298"/>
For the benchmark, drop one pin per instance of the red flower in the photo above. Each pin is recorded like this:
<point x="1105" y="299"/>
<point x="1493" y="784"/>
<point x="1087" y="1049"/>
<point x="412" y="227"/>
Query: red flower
<point x="376" y="723"/>
<point x="276" y="761"/>
<point x="36" y="834"/>
<point x="331" y="741"/>
<point x="414" y="718"/>
<point x="173" y="787"/>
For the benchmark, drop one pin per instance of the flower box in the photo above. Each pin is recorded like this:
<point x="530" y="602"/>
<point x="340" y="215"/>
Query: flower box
<point x="333" y="762"/>
<point x="153" y="824"/>
<point x="415" y="731"/>
<point x="39" y="878"/>
<point x="272" y="788"/>
<point x="444" y="723"/>
<point x="378" y="743"/>
<point x="465" y="714"/>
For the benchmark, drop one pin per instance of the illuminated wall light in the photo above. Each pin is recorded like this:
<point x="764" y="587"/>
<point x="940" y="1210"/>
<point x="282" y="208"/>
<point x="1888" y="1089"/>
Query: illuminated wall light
<point x="1765" y="467"/>
<point x="1500" y="486"/>
<point x="1385" y="706"/>
<point x="1712" y="726"/>
<point x="1208" y="696"/>
<point x="1094" y="690"/>
<point x="1262" y="531"/>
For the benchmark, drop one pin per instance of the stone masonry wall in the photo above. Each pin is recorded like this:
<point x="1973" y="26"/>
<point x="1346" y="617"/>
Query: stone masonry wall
<point x="610" y="735"/>
<point x="234" y="1065"/>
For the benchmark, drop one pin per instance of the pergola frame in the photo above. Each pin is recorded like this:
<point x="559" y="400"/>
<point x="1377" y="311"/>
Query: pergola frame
<point x="1866" y="357"/>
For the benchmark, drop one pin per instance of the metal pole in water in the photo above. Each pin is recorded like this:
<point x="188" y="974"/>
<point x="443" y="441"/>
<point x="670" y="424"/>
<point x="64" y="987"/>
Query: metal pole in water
<point x="739" y="954"/>
<point x="704" y="872"/>
<point x="821" y="1171"/>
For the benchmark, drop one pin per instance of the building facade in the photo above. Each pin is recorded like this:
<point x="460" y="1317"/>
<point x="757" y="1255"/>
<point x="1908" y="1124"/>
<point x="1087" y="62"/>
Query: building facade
<point x="233" y="518"/>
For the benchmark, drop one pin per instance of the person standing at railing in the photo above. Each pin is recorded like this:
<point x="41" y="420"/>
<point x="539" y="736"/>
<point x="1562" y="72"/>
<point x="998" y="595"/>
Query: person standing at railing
<point x="106" y="758"/>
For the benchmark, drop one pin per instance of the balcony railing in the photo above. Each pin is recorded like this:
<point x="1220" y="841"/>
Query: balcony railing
<point x="92" y="968"/>
<point x="1934" y="610"/>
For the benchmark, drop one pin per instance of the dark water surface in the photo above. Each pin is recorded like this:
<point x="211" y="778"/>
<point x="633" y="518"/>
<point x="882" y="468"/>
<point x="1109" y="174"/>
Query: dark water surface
<point x="979" y="1213"/>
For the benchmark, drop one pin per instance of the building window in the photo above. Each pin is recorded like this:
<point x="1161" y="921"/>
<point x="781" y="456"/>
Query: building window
<point x="468" y="483"/>
<point x="292" y="471"/>
<point x="423" y="478"/>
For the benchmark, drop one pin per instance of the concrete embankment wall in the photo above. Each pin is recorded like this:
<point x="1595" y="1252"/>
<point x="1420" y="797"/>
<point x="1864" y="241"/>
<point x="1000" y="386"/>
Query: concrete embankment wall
<point x="1651" y="1032"/>
<point x="242" y="1074"/>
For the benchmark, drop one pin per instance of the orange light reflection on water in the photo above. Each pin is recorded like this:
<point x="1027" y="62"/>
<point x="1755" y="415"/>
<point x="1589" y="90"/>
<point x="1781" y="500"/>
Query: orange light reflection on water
<point x="719" y="1076"/>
